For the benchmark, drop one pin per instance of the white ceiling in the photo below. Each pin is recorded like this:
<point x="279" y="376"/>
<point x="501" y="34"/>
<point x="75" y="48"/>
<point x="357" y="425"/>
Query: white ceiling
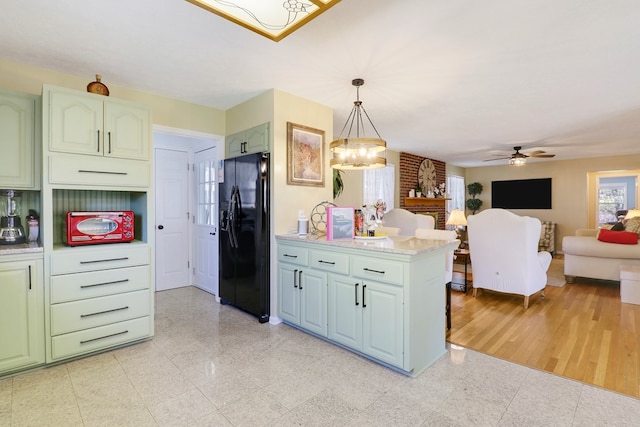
<point x="457" y="80"/>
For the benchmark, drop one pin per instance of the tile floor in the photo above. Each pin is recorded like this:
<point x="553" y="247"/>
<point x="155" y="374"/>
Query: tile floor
<point x="213" y="365"/>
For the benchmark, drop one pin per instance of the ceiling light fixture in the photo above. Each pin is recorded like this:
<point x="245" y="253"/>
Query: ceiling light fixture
<point x="273" y="19"/>
<point x="359" y="152"/>
<point x="518" y="159"/>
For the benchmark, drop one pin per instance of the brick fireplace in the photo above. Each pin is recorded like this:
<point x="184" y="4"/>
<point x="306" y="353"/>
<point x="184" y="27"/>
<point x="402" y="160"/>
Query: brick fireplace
<point x="409" y="165"/>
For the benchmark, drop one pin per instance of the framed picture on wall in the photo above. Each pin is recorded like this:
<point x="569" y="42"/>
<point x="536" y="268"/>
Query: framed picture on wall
<point x="305" y="155"/>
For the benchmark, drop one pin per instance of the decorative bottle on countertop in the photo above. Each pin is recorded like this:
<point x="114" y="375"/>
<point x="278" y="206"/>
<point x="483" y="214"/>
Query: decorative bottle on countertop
<point x="359" y="223"/>
<point x="34" y="225"/>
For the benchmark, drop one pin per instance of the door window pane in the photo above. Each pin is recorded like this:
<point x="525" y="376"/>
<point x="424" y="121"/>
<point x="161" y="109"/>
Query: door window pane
<point x="206" y="172"/>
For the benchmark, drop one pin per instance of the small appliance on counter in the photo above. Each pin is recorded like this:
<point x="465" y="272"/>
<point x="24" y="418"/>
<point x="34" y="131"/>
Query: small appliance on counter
<point x="90" y="228"/>
<point x="11" y="230"/>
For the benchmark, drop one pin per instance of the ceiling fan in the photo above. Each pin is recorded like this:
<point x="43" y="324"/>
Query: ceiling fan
<point x="519" y="159"/>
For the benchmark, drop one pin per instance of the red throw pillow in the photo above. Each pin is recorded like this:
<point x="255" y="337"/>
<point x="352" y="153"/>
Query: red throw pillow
<point x="623" y="237"/>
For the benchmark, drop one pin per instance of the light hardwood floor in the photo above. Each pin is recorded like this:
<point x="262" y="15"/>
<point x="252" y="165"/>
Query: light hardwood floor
<point x="580" y="331"/>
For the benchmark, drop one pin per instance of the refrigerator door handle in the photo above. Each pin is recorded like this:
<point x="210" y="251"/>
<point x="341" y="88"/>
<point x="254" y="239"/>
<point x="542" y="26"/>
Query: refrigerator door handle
<point x="224" y="220"/>
<point x="233" y="214"/>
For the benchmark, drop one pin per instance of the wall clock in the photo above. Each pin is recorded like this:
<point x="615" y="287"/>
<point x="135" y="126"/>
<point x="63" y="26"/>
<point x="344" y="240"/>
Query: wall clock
<point x="427" y="175"/>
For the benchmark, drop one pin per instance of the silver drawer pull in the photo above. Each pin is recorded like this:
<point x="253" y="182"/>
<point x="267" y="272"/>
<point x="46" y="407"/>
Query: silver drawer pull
<point x="104" y="283"/>
<point x="290" y="256"/>
<point x="106" y="336"/>
<point x="326" y="262"/>
<point x="105" y="260"/>
<point x="103" y="312"/>
<point x="107" y="172"/>
<point x="374" y="271"/>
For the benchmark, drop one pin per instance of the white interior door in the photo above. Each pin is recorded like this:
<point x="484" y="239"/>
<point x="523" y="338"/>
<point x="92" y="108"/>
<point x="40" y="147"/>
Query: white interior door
<point x="172" y="219"/>
<point x="205" y="272"/>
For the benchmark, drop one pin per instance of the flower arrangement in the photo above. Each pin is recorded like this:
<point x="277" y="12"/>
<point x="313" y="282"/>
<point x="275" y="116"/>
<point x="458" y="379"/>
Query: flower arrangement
<point x="440" y="190"/>
<point x="380" y="205"/>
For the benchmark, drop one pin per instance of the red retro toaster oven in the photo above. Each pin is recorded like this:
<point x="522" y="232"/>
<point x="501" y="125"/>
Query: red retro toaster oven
<point x="88" y="228"/>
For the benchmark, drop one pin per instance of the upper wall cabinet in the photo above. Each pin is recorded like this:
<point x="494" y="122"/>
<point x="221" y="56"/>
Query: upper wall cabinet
<point x="19" y="126"/>
<point x="254" y="140"/>
<point x="85" y="123"/>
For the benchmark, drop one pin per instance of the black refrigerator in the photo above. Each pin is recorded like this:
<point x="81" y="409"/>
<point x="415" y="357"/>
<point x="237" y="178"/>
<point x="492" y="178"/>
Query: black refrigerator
<point x="244" y="234"/>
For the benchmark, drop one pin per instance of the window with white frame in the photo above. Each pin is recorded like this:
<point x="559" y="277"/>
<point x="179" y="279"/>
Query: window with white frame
<point x="456" y="192"/>
<point x="379" y="184"/>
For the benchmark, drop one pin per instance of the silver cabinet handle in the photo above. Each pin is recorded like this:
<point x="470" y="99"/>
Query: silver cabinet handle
<point x="295" y="279"/>
<point x="356" y="289"/>
<point x="374" y="271"/>
<point x="105" y="260"/>
<point x="300" y="279"/>
<point x="104" y="337"/>
<point x="104" y="312"/>
<point x="103" y="283"/>
<point x="105" y="172"/>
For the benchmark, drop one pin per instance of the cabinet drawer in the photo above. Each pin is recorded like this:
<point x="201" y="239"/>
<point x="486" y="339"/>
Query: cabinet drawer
<point x="336" y="263"/>
<point x="115" y="255"/>
<point x="377" y="269"/>
<point x="293" y="255"/>
<point x="71" y="287"/>
<point x="85" y="314"/>
<point x="98" y="338"/>
<point x="100" y="171"/>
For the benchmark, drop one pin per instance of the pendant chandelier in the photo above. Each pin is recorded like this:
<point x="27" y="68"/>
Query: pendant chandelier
<point x="360" y="152"/>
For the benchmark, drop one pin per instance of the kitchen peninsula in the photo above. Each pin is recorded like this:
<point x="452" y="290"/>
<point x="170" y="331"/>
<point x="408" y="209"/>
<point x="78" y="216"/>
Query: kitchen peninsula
<point x="381" y="298"/>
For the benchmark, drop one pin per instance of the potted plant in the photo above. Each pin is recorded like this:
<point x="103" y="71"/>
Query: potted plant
<point x="418" y="190"/>
<point x="474" y="204"/>
<point x="338" y="183"/>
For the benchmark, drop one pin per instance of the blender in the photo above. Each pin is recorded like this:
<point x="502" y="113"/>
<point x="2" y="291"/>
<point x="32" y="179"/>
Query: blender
<point x="11" y="231"/>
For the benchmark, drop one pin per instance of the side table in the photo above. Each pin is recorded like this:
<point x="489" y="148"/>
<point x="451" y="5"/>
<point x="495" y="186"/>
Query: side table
<point x="463" y="256"/>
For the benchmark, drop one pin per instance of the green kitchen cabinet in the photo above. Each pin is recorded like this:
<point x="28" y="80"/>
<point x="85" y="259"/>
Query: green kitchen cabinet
<point x="253" y="140"/>
<point x="19" y="128"/>
<point x="90" y="124"/>
<point x="21" y="313"/>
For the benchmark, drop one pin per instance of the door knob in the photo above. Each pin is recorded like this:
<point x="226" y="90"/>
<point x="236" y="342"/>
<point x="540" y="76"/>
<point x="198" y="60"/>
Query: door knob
<point x="160" y="227"/>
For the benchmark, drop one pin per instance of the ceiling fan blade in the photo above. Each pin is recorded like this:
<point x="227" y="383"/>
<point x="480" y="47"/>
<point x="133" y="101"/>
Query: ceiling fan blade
<point x="497" y="158"/>
<point x="533" y="153"/>
<point x="542" y="155"/>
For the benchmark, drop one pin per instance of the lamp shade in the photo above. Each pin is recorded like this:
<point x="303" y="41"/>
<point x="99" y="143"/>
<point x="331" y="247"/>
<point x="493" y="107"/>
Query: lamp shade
<point x="457" y="218"/>
<point x="632" y="213"/>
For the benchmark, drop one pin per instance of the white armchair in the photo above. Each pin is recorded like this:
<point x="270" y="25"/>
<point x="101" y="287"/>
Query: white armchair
<point x="504" y="253"/>
<point x="449" y="236"/>
<point x="407" y="221"/>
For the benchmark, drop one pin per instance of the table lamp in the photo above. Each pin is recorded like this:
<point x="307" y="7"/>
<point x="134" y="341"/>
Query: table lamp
<point x="457" y="219"/>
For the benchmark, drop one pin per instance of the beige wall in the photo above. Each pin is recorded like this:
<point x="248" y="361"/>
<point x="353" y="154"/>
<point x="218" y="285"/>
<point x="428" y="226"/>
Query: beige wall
<point x="165" y="111"/>
<point x="569" y="187"/>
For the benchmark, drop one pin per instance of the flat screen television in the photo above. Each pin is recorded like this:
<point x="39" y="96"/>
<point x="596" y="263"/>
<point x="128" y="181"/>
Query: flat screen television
<point x="521" y="194"/>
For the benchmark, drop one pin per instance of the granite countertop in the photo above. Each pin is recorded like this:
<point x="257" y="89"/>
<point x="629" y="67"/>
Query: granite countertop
<point x="407" y="245"/>
<point x="21" y="248"/>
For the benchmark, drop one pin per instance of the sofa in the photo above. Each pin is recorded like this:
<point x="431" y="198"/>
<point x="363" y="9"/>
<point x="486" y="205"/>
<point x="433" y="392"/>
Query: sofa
<point x="586" y="256"/>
